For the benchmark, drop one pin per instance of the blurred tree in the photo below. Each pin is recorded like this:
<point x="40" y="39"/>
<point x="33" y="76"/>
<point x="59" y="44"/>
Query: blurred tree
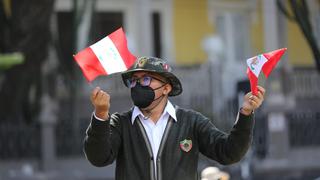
<point x="301" y="15"/>
<point x="25" y="28"/>
<point x="28" y="90"/>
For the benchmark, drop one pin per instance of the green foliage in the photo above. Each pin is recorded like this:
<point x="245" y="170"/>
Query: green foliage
<point x="9" y="60"/>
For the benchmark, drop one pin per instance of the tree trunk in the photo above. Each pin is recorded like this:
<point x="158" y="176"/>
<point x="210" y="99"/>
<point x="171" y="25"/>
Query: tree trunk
<point x="27" y="30"/>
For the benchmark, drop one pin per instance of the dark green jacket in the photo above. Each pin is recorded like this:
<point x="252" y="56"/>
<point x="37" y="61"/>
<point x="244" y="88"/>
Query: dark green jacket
<point x="118" y="139"/>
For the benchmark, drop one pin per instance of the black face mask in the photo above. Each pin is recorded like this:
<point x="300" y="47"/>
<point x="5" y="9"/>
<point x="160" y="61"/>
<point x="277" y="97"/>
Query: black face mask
<point x="143" y="96"/>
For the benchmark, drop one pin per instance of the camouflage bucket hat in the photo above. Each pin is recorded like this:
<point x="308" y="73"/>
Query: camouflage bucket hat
<point x="155" y="65"/>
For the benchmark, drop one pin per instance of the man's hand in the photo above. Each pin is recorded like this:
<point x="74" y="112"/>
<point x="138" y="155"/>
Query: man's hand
<point x="101" y="103"/>
<point x="252" y="102"/>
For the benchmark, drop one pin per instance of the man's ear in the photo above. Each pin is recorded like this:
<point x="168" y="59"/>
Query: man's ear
<point x="167" y="89"/>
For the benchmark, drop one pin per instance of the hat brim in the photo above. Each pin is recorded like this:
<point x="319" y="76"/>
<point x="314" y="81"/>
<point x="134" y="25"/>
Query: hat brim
<point x="173" y="80"/>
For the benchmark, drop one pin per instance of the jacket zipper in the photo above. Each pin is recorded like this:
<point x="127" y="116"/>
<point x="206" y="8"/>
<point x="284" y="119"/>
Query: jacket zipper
<point x="162" y="143"/>
<point x="145" y="137"/>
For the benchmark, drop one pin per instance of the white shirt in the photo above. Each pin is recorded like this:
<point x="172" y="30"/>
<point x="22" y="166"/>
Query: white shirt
<point x="155" y="131"/>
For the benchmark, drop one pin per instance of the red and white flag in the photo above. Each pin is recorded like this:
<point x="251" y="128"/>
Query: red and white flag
<point x="263" y="62"/>
<point x="107" y="56"/>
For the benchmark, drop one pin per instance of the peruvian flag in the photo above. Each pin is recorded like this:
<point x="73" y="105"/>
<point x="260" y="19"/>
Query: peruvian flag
<point x="265" y="62"/>
<point x="107" y="56"/>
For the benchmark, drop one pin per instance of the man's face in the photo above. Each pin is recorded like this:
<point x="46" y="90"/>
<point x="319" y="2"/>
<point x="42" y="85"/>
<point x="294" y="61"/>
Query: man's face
<point x="155" y="82"/>
<point x="159" y="86"/>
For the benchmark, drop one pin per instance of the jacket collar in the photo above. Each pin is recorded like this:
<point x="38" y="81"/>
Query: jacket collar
<point x="168" y="109"/>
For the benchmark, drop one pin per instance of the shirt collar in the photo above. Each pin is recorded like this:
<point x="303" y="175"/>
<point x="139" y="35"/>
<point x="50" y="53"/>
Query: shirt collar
<point x="168" y="109"/>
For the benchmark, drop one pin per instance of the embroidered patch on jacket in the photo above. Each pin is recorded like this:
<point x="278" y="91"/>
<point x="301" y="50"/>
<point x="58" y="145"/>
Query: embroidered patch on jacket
<point x="186" y="145"/>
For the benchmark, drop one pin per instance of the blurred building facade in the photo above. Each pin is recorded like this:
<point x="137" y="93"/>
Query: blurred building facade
<point x="208" y="42"/>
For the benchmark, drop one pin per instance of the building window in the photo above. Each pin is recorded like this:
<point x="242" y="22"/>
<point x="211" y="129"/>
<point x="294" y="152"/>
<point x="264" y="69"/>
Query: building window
<point x="156" y="26"/>
<point x="241" y="36"/>
<point x="105" y="23"/>
<point x="233" y="27"/>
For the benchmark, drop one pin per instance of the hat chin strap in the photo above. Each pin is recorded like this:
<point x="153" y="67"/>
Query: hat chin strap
<point x="150" y="109"/>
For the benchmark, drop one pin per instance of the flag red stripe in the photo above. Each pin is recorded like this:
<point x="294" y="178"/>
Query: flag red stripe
<point x="253" y="82"/>
<point x="89" y="64"/>
<point x="119" y="39"/>
<point x="273" y="58"/>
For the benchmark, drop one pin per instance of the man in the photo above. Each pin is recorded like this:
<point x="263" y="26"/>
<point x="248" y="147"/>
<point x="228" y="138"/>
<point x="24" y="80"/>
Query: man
<point x="156" y="140"/>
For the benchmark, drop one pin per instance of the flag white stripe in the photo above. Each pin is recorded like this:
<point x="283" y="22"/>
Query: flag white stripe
<point x="108" y="55"/>
<point x="255" y="64"/>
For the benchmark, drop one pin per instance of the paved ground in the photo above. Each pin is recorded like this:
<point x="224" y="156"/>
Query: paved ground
<point x="66" y="169"/>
